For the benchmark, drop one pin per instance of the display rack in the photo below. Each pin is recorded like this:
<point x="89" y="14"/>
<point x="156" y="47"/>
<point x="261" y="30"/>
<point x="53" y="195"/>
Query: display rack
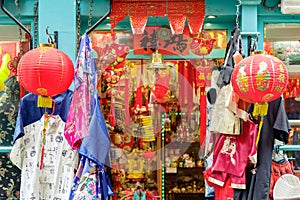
<point x="173" y="177"/>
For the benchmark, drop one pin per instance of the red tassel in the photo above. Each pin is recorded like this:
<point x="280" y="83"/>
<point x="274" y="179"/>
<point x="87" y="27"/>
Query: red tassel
<point x="112" y="118"/>
<point x="42" y="158"/>
<point x="126" y="99"/>
<point x="141" y="142"/>
<point x="202" y="115"/>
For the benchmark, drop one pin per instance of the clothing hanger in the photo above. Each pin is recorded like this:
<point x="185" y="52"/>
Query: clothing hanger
<point x="101" y="19"/>
<point x="17" y="22"/>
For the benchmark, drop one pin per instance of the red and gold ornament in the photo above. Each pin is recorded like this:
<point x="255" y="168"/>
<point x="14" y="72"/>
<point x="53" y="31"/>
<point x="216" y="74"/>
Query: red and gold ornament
<point x="45" y="71"/>
<point x="259" y="79"/>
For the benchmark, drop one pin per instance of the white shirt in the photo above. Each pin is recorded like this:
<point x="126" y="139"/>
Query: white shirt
<point x="55" y="179"/>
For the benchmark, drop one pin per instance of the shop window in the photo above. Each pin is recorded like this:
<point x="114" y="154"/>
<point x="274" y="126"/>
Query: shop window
<point x="12" y="41"/>
<point x="159" y="146"/>
<point x="286" y="46"/>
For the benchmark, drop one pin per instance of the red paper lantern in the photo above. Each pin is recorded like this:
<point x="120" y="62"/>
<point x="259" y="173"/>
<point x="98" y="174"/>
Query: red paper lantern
<point x="45" y="71"/>
<point x="260" y="78"/>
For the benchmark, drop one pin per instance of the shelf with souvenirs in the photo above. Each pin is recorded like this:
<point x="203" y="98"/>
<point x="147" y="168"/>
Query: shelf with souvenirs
<point x="182" y="172"/>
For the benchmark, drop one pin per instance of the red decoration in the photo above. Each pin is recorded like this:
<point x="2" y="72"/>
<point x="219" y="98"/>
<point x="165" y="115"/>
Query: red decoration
<point x="138" y="17"/>
<point x="202" y="46"/>
<point x="195" y="16"/>
<point x="161" y="86"/>
<point x="259" y="78"/>
<point x="293" y="88"/>
<point x="112" y="59"/>
<point x="162" y="38"/>
<point x="45" y="71"/>
<point x="177" y="12"/>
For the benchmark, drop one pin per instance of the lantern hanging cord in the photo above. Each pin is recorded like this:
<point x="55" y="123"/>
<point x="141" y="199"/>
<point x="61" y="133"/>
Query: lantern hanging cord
<point x="238" y="12"/>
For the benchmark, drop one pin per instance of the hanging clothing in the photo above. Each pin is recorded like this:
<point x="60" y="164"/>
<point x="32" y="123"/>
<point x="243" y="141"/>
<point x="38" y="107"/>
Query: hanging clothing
<point x="279" y="169"/>
<point x="224" y="192"/>
<point x="275" y="125"/>
<point x="10" y="177"/>
<point x="231" y="156"/>
<point x="91" y="182"/>
<point x="84" y="98"/>
<point x="54" y="179"/>
<point x="94" y="142"/>
<point x="9" y="106"/>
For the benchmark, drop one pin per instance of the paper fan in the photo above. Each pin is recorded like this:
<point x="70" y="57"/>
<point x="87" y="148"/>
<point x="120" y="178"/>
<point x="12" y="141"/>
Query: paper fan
<point x="287" y="187"/>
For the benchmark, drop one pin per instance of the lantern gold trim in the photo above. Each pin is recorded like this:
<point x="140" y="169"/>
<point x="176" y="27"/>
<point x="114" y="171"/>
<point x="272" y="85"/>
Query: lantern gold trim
<point x="46" y="45"/>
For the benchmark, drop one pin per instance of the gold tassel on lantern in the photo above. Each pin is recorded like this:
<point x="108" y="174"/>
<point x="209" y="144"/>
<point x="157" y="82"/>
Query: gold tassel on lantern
<point x="260" y="109"/>
<point x="44" y="102"/>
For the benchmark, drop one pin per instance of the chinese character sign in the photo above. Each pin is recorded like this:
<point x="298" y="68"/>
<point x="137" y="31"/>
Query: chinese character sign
<point x="161" y="38"/>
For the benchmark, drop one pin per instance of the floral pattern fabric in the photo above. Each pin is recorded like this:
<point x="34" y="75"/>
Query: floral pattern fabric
<point x="9" y="105"/>
<point x="9" y="179"/>
<point x="10" y="175"/>
<point x="91" y="182"/>
<point x="83" y="101"/>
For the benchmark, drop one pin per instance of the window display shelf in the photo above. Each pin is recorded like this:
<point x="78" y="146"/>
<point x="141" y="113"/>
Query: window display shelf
<point x="293" y="69"/>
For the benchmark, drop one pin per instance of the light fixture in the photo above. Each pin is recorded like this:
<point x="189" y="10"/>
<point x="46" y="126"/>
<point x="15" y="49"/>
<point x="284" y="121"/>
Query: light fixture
<point x="157" y="61"/>
<point x="211" y="17"/>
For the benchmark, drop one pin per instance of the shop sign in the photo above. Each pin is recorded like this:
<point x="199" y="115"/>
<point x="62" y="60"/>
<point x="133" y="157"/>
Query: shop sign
<point x="161" y="38"/>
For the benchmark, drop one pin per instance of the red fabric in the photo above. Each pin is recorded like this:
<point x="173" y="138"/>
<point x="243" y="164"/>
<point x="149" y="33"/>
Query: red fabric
<point x="186" y="80"/>
<point x="279" y="169"/>
<point x="139" y="96"/>
<point x="202" y="115"/>
<point x="126" y="100"/>
<point x="161" y="86"/>
<point x="138" y="17"/>
<point x="232" y="152"/>
<point x="196" y="15"/>
<point x="177" y="12"/>
<point x="112" y="118"/>
<point x="176" y="22"/>
<point x="224" y="192"/>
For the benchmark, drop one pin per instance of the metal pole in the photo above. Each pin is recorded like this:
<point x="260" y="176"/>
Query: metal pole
<point x="17" y="22"/>
<point x="101" y="19"/>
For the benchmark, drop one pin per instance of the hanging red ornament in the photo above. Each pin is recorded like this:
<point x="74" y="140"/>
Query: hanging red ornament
<point x="203" y="44"/>
<point x="161" y="86"/>
<point x="202" y="114"/>
<point x="259" y="79"/>
<point x="46" y="71"/>
<point x="138" y="17"/>
<point x="195" y="16"/>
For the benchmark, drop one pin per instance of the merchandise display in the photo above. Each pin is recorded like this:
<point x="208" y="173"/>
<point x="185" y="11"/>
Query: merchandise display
<point x="149" y="100"/>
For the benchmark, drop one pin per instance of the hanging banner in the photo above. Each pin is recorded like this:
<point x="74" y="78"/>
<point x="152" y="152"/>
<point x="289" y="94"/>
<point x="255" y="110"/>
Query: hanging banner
<point x="161" y="38"/>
